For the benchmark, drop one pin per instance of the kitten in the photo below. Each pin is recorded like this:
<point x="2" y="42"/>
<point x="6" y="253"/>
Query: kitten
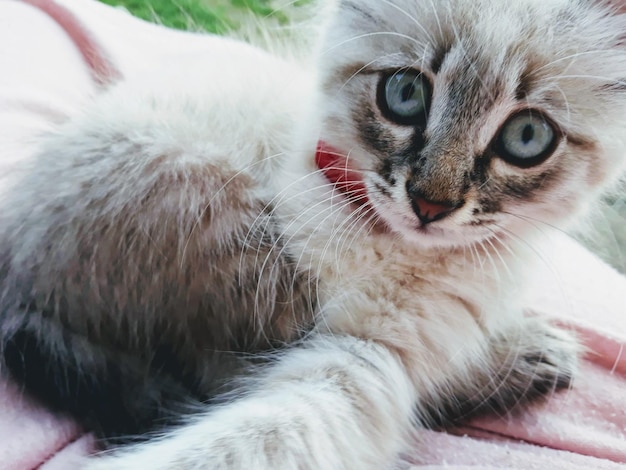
<point x="183" y="232"/>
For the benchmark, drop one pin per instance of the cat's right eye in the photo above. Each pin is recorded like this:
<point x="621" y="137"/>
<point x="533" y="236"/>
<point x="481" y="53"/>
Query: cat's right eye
<point x="526" y="139"/>
<point x="404" y="97"/>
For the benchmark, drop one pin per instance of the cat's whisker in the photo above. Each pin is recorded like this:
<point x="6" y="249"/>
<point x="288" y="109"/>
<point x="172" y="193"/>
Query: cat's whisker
<point x="332" y="208"/>
<point x="496" y="251"/>
<point x="516" y="257"/>
<point x="600" y="78"/>
<point x="280" y="199"/>
<point x="370" y="212"/>
<point x="526" y="245"/>
<point x="487" y="181"/>
<point x="336" y="210"/>
<point x="362" y="69"/>
<point x="437" y="20"/>
<point x="413" y="19"/>
<point x="344" y="248"/>
<point x="370" y="35"/>
<point x="536" y="223"/>
<point x="313" y="275"/>
<point x="476" y="262"/>
<point x="243" y="171"/>
<point x="324" y="250"/>
<point x="566" y="101"/>
<point x="506" y="365"/>
<point x="594" y="53"/>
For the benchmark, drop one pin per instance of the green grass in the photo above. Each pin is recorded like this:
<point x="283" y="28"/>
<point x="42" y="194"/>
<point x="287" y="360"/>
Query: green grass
<point x="214" y="16"/>
<point x="180" y="14"/>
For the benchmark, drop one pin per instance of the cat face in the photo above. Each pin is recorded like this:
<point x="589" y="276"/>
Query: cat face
<point x="472" y="119"/>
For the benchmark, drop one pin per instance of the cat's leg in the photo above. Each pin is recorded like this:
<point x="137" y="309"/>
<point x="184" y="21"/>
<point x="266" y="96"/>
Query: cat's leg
<point x="340" y="402"/>
<point x="525" y="364"/>
<point x="335" y="403"/>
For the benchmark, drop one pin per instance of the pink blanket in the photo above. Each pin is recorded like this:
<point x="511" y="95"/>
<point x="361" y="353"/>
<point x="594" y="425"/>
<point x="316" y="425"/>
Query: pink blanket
<point x="44" y="78"/>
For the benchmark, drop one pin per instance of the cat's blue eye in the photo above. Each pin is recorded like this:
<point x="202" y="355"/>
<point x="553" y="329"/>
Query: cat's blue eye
<point x="405" y="97"/>
<point x="526" y="139"/>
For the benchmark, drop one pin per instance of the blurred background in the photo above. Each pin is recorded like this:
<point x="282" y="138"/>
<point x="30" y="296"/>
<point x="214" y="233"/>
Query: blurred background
<point x="215" y="16"/>
<point x="604" y="234"/>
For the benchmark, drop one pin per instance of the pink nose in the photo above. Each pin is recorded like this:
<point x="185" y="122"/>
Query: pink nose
<point x="428" y="211"/>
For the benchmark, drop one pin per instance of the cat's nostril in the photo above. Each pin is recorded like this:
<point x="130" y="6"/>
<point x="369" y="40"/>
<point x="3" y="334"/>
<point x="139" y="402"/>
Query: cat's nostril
<point x="429" y="211"/>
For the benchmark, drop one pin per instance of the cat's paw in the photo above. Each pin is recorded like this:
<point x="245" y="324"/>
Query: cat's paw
<point x="551" y="358"/>
<point x="530" y="363"/>
<point x="527" y="364"/>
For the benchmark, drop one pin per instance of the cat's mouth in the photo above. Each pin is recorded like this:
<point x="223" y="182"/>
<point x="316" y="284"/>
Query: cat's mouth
<point x="336" y="167"/>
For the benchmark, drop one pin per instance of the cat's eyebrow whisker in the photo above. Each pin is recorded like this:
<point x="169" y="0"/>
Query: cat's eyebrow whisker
<point x="413" y="19"/>
<point x="364" y="67"/>
<point x="565" y="100"/>
<point x="487" y="181"/>
<point x="368" y="35"/>
<point x="574" y="56"/>
<point x="437" y="19"/>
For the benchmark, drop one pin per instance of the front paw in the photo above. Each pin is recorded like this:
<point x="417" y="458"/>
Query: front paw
<point x="526" y="364"/>
<point x="529" y="363"/>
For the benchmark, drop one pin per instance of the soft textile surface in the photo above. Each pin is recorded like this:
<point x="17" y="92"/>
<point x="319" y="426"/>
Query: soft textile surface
<point x="44" y="79"/>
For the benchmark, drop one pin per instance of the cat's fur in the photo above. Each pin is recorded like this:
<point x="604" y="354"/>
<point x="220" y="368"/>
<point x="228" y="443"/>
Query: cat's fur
<point x="178" y="230"/>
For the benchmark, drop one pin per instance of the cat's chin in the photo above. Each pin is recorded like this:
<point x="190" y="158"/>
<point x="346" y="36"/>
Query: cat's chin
<point x="433" y="236"/>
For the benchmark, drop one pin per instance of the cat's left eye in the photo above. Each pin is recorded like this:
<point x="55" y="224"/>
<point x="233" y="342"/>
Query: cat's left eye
<point x="404" y="97"/>
<point x="526" y="139"/>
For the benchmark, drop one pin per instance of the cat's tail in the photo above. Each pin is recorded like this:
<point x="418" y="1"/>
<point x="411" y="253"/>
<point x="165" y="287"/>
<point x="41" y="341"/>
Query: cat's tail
<point x="117" y="395"/>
